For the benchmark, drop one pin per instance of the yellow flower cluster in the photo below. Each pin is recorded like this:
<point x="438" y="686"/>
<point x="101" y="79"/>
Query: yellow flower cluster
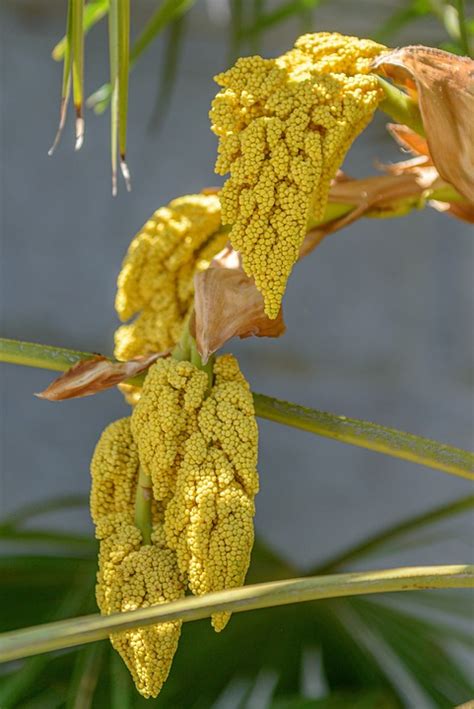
<point x="198" y="445"/>
<point x="284" y="127"/>
<point x="156" y="280"/>
<point x="201" y="454"/>
<point x="131" y="575"/>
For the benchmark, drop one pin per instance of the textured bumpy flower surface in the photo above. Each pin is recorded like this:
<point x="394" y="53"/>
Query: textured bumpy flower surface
<point x="156" y="280"/>
<point x="200" y="450"/>
<point x="198" y="445"/>
<point x="284" y="127"/>
<point x="132" y="575"/>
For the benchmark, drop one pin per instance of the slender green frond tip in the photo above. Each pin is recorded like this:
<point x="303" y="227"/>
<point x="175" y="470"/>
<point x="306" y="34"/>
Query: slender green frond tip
<point x="77" y="631"/>
<point x="113" y="62"/>
<point x="368" y="435"/>
<point x="357" y="432"/>
<point x="66" y="84"/>
<point x="389" y="538"/>
<point x="77" y="50"/>
<point x="167" y="12"/>
<point x="123" y="76"/>
<point x="94" y="11"/>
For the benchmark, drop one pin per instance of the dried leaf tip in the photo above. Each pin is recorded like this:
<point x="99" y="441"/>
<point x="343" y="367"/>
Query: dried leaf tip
<point x="125" y="173"/>
<point x="444" y="86"/>
<point x="62" y="123"/>
<point x="91" y="376"/>
<point x="80" y="130"/>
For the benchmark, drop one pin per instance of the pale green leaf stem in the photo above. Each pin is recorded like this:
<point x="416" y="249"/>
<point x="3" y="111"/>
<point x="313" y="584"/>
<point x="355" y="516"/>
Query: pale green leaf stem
<point x="77" y="631"/>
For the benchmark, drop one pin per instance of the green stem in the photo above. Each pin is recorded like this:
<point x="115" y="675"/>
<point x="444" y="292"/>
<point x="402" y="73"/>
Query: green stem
<point x="77" y="631"/>
<point x="347" y="430"/>
<point x="368" y="435"/>
<point x="399" y="106"/>
<point x="143" y="500"/>
<point x="463" y="31"/>
<point x="186" y="350"/>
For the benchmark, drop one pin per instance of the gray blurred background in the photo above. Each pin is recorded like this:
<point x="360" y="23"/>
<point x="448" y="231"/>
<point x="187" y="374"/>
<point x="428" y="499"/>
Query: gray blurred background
<point x="379" y="317"/>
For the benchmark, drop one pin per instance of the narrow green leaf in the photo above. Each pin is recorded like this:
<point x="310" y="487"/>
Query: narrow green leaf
<point x="114" y="67"/>
<point x="463" y="28"/>
<point x="236" y="28"/>
<point x="123" y="76"/>
<point x="422" y="653"/>
<point x="169" y="68"/>
<point x="15" y="686"/>
<point x="66" y="83"/>
<point x="378" y="541"/>
<point x="120" y="687"/>
<point x="77" y="631"/>
<point x="434" y="628"/>
<point x="407" y="686"/>
<point x="167" y="12"/>
<point x="401" y="17"/>
<point x="94" y="11"/>
<point x="32" y="354"/>
<point x="347" y="430"/>
<point x="86" y="675"/>
<point x="42" y="536"/>
<point x="77" y="50"/>
<point x="280" y="14"/>
<point x="367" y="699"/>
<point x="368" y="435"/>
<point x="35" y="509"/>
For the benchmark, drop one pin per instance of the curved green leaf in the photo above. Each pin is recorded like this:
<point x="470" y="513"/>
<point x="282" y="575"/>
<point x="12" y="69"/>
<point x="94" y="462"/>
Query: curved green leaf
<point x="368" y="435"/>
<point x="77" y="631"/>
<point x="376" y="542"/>
<point x="94" y="11"/>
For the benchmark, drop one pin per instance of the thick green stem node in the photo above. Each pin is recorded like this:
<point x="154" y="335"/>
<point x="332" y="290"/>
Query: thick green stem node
<point x="401" y="107"/>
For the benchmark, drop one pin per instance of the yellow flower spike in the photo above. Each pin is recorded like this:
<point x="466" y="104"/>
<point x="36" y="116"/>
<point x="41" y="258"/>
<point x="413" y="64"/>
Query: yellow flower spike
<point x="156" y="280"/>
<point x="209" y="520"/>
<point x="284" y="127"/>
<point x="132" y="575"/>
<point x="114" y="471"/>
<point x="164" y="418"/>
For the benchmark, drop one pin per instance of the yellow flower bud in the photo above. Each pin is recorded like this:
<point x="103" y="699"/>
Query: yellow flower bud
<point x="156" y="280"/>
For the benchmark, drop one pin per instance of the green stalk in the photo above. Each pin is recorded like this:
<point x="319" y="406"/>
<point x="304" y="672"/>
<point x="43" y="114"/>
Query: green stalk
<point x="400" y="107"/>
<point x="463" y="31"/>
<point x="143" y="500"/>
<point x="347" y="430"/>
<point x="77" y="49"/>
<point x="66" y="83"/>
<point x="113" y="61"/>
<point x="123" y="78"/>
<point x="368" y="435"/>
<point x="77" y="631"/>
<point x="94" y="11"/>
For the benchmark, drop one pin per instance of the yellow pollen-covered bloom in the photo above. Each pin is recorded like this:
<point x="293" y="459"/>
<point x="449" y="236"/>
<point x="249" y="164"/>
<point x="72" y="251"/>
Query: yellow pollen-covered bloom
<point x="284" y="127"/>
<point x="132" y="575"/>
<point x="156" y="280"/>
<point x="200" y="450"/>
<point x="209" y="520"/>
<point x="164" y="418"/>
